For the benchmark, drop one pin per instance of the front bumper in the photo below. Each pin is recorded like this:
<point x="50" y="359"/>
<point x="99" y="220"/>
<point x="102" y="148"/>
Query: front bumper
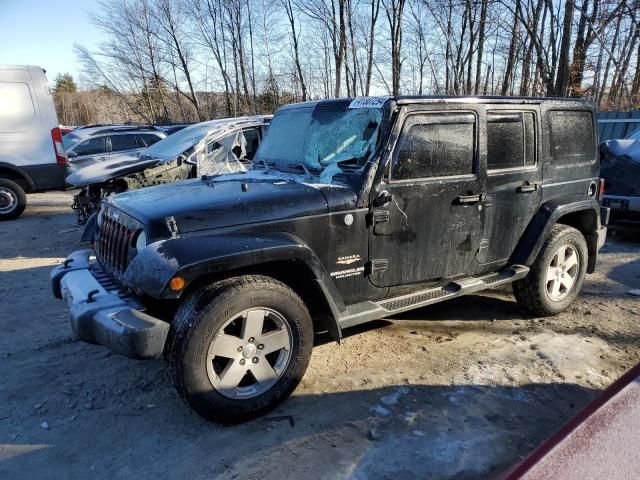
<point x="103" y="314"/>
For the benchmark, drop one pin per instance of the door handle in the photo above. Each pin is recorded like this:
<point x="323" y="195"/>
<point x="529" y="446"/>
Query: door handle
<point x="528" y="187"/>
<point x="469" y="199"/>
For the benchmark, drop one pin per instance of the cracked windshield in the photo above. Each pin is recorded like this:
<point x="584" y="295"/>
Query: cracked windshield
<point x="321" y="140"/>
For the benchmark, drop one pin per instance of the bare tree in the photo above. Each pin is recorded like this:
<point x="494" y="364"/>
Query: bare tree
<point x="169" y="14"/>
<point x="296" y="50"/>
<point x="187" y="60"/>
<point x="394" y="10"/>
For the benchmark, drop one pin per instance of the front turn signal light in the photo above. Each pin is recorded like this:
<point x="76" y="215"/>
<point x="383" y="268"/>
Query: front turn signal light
<point x="177" y="283"/>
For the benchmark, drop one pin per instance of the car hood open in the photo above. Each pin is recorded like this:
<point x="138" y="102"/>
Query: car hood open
<point x="231" y="200"/>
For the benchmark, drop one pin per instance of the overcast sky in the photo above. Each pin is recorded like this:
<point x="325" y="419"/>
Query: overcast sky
<point x="43" y="32"/>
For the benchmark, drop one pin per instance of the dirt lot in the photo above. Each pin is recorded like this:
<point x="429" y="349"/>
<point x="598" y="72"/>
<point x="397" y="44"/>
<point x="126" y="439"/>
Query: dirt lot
<point x="461" y="389"/>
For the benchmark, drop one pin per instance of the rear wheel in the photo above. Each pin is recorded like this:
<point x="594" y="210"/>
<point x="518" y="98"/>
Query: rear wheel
<point x="557" y="275"/>
<point x="239" y="347"/>
<point x="13" y="200"/>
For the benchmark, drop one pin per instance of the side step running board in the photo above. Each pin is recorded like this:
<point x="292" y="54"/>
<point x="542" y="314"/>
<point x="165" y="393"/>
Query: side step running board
<point x="368" y="311"/>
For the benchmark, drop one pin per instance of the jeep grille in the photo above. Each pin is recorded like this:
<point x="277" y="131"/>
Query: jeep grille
<point x="114" y="240"/>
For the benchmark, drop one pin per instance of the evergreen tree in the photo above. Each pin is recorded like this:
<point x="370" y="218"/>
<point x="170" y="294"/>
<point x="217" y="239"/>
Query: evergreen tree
<point x="64" y="83"/>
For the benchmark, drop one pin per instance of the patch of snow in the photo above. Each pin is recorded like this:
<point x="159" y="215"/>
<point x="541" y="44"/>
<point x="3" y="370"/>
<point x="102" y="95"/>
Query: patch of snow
<point x="394" y="398"/>
<point x="380" y="410"/>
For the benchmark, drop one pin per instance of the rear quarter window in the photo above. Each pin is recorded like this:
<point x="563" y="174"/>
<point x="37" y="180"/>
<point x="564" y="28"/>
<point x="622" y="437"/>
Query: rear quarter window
<point x="571" y="137"/>
<point x="16" y="105"/>
<point x="149" y="139"/>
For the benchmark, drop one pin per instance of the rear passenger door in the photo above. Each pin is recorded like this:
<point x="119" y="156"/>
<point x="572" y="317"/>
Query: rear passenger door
<point x="427" y="214"/>
<point x="514" y="180"/>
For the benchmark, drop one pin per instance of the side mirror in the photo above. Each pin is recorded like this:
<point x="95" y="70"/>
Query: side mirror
<point x="71" y="154"/>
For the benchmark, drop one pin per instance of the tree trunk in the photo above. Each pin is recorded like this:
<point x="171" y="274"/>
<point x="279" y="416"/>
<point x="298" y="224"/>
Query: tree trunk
<point x="562" y="76"/>
<point x="373" y="18"/>
<point x="483" y="21"/>
<point x="296" y="51"/>
<point x="508" y="73"/>
<point x="394" y="10"/>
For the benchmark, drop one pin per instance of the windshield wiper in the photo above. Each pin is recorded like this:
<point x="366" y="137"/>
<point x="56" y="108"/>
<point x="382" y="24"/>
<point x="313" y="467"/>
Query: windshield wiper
<point x="307" y="171"/>
<point x="267" y="168"/>
<point x="352" y="163"/>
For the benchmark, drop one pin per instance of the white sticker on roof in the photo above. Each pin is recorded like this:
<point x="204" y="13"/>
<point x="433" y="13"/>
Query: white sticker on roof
<point x="368" y="102"/>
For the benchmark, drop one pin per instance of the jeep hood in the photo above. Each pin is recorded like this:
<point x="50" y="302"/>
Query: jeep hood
<point x="231" y="200"/>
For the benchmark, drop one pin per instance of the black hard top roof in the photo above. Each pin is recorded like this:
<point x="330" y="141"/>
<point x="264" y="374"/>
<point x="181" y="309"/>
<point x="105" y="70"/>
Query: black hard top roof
<point x="418" y="99"/>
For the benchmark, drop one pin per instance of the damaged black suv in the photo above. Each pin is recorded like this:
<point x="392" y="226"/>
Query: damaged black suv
<point x="353" y="210"/>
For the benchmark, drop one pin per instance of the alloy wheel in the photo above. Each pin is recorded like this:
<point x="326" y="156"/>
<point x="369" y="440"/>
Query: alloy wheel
<point x="562" y="272"/>
<point x="249" y="353"/>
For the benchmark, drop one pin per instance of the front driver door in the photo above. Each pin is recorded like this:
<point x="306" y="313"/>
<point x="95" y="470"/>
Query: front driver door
<point x="427" y="215"/>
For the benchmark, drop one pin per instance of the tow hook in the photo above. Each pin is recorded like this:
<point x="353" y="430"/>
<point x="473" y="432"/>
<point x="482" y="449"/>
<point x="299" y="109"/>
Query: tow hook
<point x="91" y="296"/>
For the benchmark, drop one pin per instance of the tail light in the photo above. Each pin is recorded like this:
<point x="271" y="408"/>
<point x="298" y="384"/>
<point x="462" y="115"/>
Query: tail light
<point x="601" y="188"/>
<point x="61" y="155"/>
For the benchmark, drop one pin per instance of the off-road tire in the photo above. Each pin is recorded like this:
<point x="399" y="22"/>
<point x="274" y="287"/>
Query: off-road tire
<point x="20" y="199"/>
<point x="531" y="291"/>
<point x="198" y="320"/>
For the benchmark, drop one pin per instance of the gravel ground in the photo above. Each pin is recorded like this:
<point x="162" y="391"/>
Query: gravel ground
<point x="461" y="389"/>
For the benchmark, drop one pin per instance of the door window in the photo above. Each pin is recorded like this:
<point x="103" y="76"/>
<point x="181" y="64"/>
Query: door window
<point x="510" y="140"/>
<point x="252" y="136"/>
<point x="222" y="156"/>
<point x="125" y="142"/>
<point x="149" y="139"/>
<point x="92" y="146"/>
<point x="572" y="139"/>
<point x="435" y="145"/>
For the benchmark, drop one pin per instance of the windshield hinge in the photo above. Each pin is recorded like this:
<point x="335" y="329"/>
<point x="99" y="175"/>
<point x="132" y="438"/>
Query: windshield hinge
<point x="379" y="216"/>
<point x="377" y="265"/>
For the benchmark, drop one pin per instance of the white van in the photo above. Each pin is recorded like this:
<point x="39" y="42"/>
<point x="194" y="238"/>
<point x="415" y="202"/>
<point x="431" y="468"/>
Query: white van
<point x="32" y="156"/>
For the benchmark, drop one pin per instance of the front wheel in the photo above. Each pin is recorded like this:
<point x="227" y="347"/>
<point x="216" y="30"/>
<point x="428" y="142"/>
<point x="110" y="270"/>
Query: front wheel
<point x="13" y="200"/>
<point x="239" y="347"/>
<point x="557" y="275"/>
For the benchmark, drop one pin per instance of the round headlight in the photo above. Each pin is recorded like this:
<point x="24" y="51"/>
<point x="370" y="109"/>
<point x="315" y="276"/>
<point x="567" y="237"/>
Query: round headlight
<point x="141" y="241"/>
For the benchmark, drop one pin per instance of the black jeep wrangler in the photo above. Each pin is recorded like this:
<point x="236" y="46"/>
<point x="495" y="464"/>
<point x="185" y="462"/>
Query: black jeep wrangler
<point x="353" y="210"/>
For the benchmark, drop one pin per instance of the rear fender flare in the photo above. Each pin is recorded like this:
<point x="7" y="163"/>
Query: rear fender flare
<point x="547" y="216"/>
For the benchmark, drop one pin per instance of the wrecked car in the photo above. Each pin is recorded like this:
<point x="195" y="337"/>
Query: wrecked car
<point x="217" y="146"/>
<point x="98" y="143"/>
<point x="620" y="168"/>
<point x="353" y="210"/>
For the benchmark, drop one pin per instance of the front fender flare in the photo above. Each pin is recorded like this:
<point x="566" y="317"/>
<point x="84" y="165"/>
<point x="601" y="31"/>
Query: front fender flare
<point x="192" y="257"/>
